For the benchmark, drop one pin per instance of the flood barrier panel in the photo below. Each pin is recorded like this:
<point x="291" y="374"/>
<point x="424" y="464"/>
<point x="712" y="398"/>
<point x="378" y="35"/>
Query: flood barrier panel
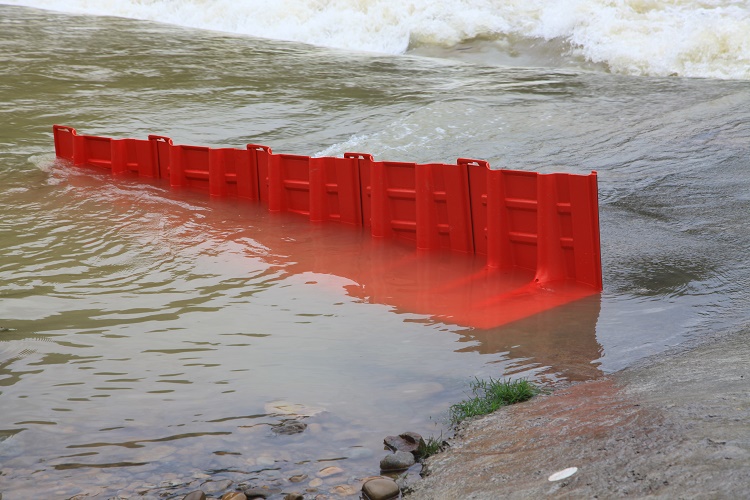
<point x="544" y="223"/>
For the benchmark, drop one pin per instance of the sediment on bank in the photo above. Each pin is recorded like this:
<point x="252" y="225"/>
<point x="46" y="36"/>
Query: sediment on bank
<point x="675" y="425"/>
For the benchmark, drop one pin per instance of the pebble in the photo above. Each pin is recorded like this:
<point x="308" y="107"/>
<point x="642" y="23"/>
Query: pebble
<point x="298" y="478"/>
<point x="344" y="490"/>
<point x="401" y="460"/>
<point x="380" y="488"/>
<point x="315" y="483"/>
<point x="294" y="496"/>
<point x="256" y="493"/>
<point x="211" y="487"/>
<point x="234" y="495"/>
<point x="330" y="471"/>
<point x="193" y="495"/>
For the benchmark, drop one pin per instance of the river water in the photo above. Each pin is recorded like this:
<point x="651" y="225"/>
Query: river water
<point x="152" y="339"/>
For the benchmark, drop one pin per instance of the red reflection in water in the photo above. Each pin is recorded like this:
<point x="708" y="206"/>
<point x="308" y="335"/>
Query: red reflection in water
<point x="448" y="286"/>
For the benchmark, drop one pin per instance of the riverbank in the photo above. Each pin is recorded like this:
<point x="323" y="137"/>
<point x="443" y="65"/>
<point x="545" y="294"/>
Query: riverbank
<point x="676" y="425"/>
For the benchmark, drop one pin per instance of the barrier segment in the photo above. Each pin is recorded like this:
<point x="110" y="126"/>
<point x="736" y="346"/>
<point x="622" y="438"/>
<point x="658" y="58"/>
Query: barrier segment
<point x="544" y="223"/>
<point x="548" y="223"/>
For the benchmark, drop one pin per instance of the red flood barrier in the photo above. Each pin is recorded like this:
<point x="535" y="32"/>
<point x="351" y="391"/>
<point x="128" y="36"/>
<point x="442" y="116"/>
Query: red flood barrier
<point x="546" y="224"/>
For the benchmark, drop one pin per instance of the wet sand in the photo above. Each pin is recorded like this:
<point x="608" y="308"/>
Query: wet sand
<point x="677" y="425"/>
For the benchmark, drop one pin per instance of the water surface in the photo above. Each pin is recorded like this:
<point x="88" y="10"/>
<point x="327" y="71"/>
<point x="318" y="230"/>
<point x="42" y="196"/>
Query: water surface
<point x="152" y="339"/>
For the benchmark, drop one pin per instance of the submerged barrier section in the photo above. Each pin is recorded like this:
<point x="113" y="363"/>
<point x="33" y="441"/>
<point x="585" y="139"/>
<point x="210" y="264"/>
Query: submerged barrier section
<point x="544" y="223"/>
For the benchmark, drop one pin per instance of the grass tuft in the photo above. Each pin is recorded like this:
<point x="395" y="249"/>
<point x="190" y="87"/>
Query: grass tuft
<point x="489" y="395"/>
<point x="432" y="446"/>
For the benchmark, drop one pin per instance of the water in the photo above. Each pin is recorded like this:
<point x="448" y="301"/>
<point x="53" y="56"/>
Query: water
<point x="152" y="339"/>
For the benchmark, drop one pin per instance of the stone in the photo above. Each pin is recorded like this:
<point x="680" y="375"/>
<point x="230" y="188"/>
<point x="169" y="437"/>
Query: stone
<point x="408" y="441"/>
<point x="298" y="478"/>
<point x="211" y="487"/>
<point x="315" y="483"/>
<point x="330" y="471"/>
<point x="401" y="460"/>
<point x="195" y="495"/>
<point x="256" y="493"/>
<point x="344" y="490"/>
<point x="294" y="496"/>
<point x="289" y="427"/>
<point x="234" y="495"/>
<point x="380" y="488"/>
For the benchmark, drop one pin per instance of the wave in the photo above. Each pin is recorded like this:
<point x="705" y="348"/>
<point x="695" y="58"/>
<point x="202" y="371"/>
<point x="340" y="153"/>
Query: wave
<point x="691" y="38"/>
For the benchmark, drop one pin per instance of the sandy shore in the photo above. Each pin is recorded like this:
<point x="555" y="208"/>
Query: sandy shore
<point x="676" y="425"/>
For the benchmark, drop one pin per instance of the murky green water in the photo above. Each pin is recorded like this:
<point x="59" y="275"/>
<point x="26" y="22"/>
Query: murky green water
<point x="152" y="339"/>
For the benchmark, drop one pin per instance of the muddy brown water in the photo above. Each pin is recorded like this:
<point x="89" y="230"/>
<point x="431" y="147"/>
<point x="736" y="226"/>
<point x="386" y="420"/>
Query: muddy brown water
<point x="152" y="338"/>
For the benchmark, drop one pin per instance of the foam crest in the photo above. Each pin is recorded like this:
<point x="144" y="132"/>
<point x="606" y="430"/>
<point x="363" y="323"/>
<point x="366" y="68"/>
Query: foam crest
<point x="694" y="38"/>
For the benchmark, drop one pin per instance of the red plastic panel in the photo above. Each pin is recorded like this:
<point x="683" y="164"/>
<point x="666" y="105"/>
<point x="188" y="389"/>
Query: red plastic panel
<point x="231" y="174"/>
<point x="64" y="141"/>
<point x="543" y="222"/>
<point x="393" y="200"/>
<point x="133" y="156"/>
<point x="289" y="184"/>
<point x="336" y="195"/>
<point x="93" y="150"/>
<point x="189" y="167"/>
<point x="568" y="229"/>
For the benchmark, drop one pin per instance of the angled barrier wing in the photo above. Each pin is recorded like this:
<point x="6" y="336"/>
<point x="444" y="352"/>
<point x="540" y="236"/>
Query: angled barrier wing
<point x="547" y="224"/>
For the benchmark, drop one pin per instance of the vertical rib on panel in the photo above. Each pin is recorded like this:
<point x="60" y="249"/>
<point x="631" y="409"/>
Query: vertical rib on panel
<point x="161" y="148"/>
<point x="479" y="175"/>
<point x="362" y="169"/>
<point x="289" y="184"/>
<point x="339" y="189"/>
<point x="252" y="183"/>
<point x="584" y="207"/>
<point x="393" y="199"/>
<point x="554" y="239"/>
<point x="503" y="211"/>
<point x="518" y="207"/>
<point x="118" y="156"/>
<point x="227" y="168"/>
<point x="443" y="207"/>
<point x="64" y="138"/>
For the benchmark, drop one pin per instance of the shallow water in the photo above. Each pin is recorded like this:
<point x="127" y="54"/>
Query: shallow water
<point x="151" y="337"/>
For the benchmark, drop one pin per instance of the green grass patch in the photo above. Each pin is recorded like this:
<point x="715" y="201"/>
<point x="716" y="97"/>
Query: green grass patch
<point x="489" y="395"/>
<point x="433" y="445"/>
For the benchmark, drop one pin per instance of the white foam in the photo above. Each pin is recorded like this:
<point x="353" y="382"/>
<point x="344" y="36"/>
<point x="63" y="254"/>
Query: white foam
<point x="708" y="38"/>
